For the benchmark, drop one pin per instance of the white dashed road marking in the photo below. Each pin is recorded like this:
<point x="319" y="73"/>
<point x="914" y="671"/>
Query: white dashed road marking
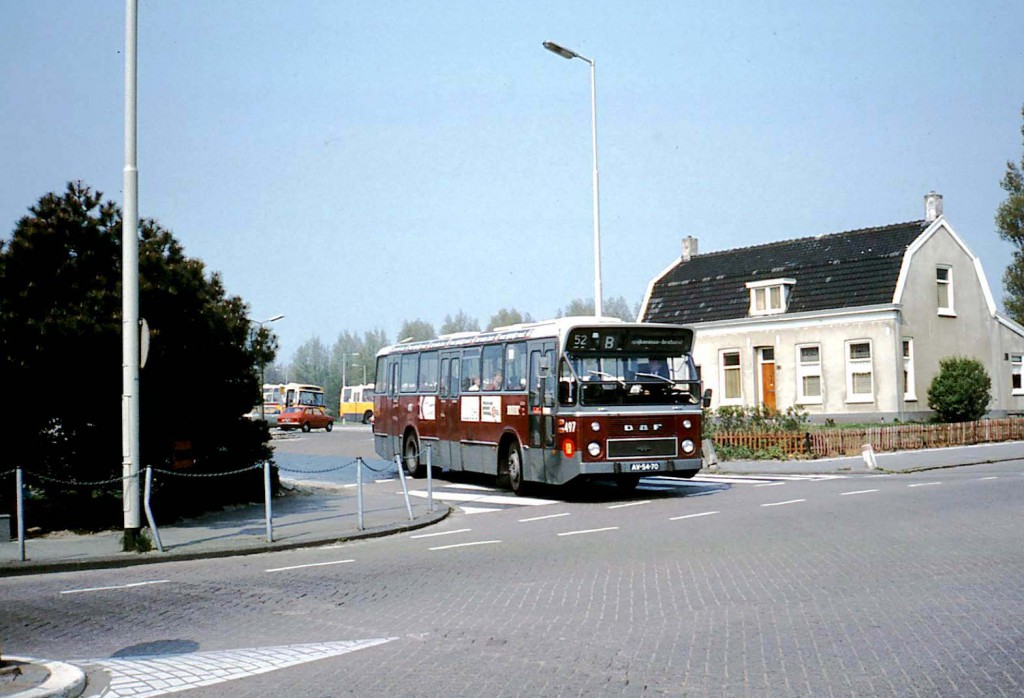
<point x="629" y="504"/>
<point x="780" y="504"/>
<point x="311" y="564"/>
<point x="442" y="533"/>
<point x="548" y="516"/>
<point x="465" y="545"/>
<point x="925" y="484"/>
<point x="693" y="516"/>
<point x="843" y="494"/>
<point x="589" y="530"/>
<point x="118" y="586"/>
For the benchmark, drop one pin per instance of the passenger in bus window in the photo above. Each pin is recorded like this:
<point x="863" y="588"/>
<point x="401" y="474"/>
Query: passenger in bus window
<point x="474" y="385"/>
<point x="495" y="382"/>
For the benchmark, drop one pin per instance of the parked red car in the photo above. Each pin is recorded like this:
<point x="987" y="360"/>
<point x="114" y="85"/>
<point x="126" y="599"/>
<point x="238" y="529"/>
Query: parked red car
<point x="305" y="418"/>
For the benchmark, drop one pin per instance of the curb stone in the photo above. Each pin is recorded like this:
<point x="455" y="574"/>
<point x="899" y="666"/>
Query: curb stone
<point x="65" y="680"/>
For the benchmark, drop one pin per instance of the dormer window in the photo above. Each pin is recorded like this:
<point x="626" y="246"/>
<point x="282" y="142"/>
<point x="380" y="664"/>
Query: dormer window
<point x="769" y="297"/>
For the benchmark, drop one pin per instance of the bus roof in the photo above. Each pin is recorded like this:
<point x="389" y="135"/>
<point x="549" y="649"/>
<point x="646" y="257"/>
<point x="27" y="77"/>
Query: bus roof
<point x="556" y="328"/>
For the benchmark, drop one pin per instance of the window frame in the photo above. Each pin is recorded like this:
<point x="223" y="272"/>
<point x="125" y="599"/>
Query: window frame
<point x="851" y="369"/>
<point x="809" y="370"/>
<point x="948" y="310"/>
<point x="408" y="363"/>
<point x="766" y="293"/>
<point x="723" y="372"/>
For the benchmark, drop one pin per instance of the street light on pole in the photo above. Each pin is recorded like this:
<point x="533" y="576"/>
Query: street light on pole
<point x="569" y="54"/>
<point x="259" y="333"/>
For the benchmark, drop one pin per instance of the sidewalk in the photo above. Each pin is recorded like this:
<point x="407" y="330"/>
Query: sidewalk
<point x="897" y="462"/>
<point x="308" y="514"/>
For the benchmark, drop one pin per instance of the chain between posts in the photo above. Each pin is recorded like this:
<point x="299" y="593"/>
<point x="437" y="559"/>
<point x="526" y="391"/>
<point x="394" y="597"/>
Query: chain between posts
<point x="265" y="466"/>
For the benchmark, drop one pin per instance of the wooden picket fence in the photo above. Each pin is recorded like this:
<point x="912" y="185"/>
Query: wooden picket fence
<point x="897" y="437"/>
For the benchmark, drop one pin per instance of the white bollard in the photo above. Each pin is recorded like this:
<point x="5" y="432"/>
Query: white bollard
<point x="868" y="453"/>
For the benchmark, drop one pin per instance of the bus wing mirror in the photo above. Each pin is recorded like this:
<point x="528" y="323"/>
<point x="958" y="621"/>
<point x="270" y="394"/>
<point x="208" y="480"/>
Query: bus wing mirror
<point x="706" y="400"/>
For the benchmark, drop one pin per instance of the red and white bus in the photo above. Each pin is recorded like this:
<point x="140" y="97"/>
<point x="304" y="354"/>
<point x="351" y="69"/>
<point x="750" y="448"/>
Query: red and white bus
<point x="544" y="402"/>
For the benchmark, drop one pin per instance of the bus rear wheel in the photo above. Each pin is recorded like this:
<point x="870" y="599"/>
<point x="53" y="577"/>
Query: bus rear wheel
<point x="411" y="457"/>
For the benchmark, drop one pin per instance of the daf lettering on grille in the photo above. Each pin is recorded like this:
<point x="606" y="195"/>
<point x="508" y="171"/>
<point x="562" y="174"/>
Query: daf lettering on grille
<point x="642" y="427"/>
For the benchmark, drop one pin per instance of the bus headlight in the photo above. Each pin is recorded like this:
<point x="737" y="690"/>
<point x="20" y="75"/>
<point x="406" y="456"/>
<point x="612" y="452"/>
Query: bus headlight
<point x="594" y="449"/>
<point x="687" y="424"/>
<point x="687" y="446"/>
<point x="595" y="426"/>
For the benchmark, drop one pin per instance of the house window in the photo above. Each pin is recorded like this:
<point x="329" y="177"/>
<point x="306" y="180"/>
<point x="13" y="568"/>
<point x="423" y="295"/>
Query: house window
<point x="808" y="374"/>
<point x="859" y="376"/>
<point x="731" y="377"/>
<point x="769" y="297"/>
<point x="1017" y="368"/>
<point x="909" y="388"/>
<point x="944" y="290"/>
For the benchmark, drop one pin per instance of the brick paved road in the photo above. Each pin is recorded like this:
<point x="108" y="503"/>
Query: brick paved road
<point x="899" y="585"/>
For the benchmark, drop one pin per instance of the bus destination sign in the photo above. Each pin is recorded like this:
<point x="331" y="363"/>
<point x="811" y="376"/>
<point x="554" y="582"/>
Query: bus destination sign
<point x="654" y="340"/>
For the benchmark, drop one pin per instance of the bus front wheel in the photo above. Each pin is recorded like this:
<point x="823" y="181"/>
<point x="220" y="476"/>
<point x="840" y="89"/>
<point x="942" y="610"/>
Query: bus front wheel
<point x="512" y="469"/>
<point x="411" y="457"/>
<point x="367" y="416"/>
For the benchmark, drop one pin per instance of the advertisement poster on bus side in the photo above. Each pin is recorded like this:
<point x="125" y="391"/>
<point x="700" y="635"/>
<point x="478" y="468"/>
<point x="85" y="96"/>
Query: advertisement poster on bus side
<point x="490" y="408"/>
<point x="470" y="409"/>
<point x="427" y="407"/>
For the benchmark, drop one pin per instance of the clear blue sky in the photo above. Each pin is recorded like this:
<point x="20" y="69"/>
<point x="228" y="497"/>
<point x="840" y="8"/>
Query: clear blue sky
<point x="356" y="164"/>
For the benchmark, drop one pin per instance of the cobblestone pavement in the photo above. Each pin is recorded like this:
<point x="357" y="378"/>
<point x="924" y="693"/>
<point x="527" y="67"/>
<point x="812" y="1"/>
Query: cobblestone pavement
<point x="862" y="585"/>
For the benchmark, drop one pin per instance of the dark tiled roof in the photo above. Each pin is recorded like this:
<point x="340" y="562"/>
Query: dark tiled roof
<point x="841" y="270"/>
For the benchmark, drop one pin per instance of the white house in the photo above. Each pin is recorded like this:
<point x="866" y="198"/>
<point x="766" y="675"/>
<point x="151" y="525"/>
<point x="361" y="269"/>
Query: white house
<point x="849" y="326"/>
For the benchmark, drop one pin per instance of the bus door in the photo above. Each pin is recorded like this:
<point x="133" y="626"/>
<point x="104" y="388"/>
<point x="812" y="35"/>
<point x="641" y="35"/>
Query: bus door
<point x="448" y="417"/>
<point x="540" y="405"/>
<point x="394" y="408"/>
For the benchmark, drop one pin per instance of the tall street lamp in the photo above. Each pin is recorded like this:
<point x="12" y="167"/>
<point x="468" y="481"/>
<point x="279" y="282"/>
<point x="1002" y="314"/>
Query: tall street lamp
<point x="259" y="333"/>
<point x="344" y="367"/>
<point x="569" y="54"/>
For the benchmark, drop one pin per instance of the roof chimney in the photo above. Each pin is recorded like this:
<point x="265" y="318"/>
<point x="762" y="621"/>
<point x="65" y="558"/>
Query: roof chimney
<point x="689" y="248"/>
<point x="932" y="206"/>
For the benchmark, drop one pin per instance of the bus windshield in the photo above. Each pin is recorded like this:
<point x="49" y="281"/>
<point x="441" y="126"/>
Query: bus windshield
<point x="619" y="379"/>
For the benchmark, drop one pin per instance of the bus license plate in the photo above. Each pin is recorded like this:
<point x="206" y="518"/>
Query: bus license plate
<point x="638" y="467"/>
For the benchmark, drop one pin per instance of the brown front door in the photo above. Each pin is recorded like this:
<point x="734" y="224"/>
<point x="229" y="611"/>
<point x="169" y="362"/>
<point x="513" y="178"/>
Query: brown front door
<point x="768" y="384"/>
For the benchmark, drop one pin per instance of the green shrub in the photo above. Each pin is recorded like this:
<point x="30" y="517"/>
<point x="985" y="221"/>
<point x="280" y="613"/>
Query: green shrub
<point x="961" y="390"/>
<point x="761" y="418"/>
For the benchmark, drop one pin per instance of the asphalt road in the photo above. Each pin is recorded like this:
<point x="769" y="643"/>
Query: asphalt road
<point x="856" y="585"/>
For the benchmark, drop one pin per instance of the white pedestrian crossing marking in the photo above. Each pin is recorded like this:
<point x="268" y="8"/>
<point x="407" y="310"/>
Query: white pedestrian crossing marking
<point x="159" y="675"/>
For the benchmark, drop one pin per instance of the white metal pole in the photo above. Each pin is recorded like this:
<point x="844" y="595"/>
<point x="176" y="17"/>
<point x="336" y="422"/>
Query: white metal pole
<point x="20" y="510"/>
<point x="149" y="509"/>
<point x="268" y="511"/>
<point x="130" y="287"/>
<point x="359" y="491"/>
<point x="598" y="302"/>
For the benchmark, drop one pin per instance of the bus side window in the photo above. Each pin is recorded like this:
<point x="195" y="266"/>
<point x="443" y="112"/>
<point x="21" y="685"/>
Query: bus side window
<point x="454" y="386"/>
<point x="515" y="367"/>
<point x="445" y="377"/>
<point x="471" y="370"/>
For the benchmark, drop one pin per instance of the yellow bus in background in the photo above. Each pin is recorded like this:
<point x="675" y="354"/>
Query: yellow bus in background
<point x="356" y="403"/>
